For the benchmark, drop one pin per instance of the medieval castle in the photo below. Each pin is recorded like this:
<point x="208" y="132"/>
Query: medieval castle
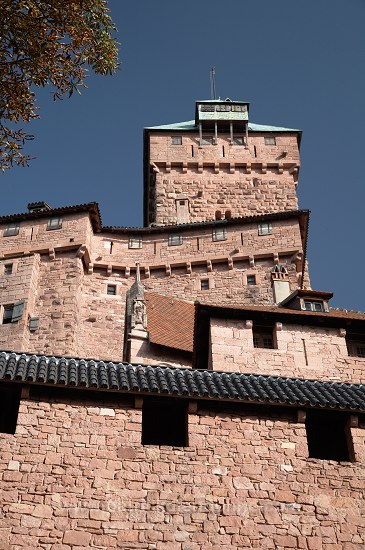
<point x="180" y="386"/>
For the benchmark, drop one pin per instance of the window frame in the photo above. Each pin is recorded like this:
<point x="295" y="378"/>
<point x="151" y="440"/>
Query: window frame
<point x="54" y="223"/>
<point x="215" y="234"/>
<point x="111" y="286"/>
<point x="204" y="283"/>
<point x="175" y="237"/>
<point x="312" y="306"/>
<point x="270" y="141"/>
<point x="12" y="229"/>
<point x="251" y="279"/>
<point x="264" y="228"/>
<point x="176" y="140"/>
<point x="8" y="269"/>
<point x="207" y="140"/>
<point x="239" y="141"/>
<point x="135" y="242"/>
<point x="264" y="337"/>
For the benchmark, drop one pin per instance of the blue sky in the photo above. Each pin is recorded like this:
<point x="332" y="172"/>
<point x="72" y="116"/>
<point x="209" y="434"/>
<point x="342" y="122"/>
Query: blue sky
<point x="300" y="64"/>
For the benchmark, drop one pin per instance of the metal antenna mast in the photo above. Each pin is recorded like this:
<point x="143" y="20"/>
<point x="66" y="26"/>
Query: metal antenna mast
<point x="212" y="83"/>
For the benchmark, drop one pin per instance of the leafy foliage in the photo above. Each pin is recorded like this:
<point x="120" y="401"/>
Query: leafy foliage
<point x="47" y="42"/>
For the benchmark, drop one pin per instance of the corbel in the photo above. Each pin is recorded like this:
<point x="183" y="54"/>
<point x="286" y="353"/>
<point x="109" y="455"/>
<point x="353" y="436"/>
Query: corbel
<point x="280" y="168"/>
<point x="192" y="407"/>
<point x="276" y="258"/>
<point x="81" y="251"/>
<point x="230" y="263"/>
<point x="342" y="332"/>
<point x="138" y="402"/>
<point x="127" y="272"/>
<point x="209" y="266"/>
<point x="25" y="392"/>
<point x="249" y="324"/>
<point x="353" y="421"/>
<point x="200" y="167"/>
<point x="90" y="268"/>
<point x="301" y="416"/>
<point x="232" y="168"/>
<point x="278" y="326"/>
<point x="109" y="270"/>
<point x="52" y="254"/>
<point x="168" y="270"/>
<point x="168" y="167"/>
<point x="263" y="168"/>
<point x="251" y="259"/>
<point x="216" y="167"/>
<point x="147" y="272"/>
<point x="248" y="168"/>
<point x="188" y="268"/>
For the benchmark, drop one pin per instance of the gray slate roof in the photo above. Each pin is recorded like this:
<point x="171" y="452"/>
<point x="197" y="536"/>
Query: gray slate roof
<point x="197" y="384"/>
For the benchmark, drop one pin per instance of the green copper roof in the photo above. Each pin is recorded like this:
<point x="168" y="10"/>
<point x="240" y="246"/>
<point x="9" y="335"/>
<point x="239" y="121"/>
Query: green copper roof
<point x="190" y="125"/>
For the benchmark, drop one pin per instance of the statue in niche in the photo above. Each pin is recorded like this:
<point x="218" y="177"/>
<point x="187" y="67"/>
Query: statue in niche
<point x="139" y="316"/>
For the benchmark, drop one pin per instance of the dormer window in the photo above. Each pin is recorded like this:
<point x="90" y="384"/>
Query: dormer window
<point x="310" y="305"/>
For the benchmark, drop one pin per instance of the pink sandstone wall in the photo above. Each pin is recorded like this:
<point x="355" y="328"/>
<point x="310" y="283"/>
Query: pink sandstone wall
<point x="246" y="181"/>
<point x="75" y="476"/>
<point x="302" y="351"/>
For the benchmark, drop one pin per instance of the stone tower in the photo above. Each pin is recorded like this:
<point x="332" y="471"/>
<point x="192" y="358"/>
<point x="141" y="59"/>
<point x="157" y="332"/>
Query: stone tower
<point x="219" y="165"/>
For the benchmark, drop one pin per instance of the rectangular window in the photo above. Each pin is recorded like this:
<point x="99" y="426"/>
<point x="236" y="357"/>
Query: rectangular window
<point x="251" y="279"/>
<point x="11" y="230"/>
<point x="204" y="284"/>
<point x="13" y="312"/>
<point x="355" y="344"/>
<point x="135" y="242"/>
<point x="270" y="140"/>
<point x="9" y="407"/>
<point x="263" y="337"/>
<point x="8" y="269"/>
<point x="111" y="290"/>
<point x="238" y="141"/>
<point x="175" y="240"/>
<point x="207" y="140"/>
<point x="264" y="228"/>
<point x="176" y="140"/>
<point x="164" y="422"/>
<point x="54" y="223"/>
<point x="219" y="234"/>
<point x="8" y="314"/>
<point x="328" y="436"/>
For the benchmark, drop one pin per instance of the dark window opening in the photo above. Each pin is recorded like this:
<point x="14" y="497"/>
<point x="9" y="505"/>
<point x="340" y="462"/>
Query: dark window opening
<point x="8" y="269"/>
<point x="9" y="407"/>
<point x="13" y="312"/>
<point x="251" y="279"/>
<point x="228" y="214"/>
<point x="54" y="223"/>
<point x="328" y="436"/>
<point x="8" y="314"/>
<point x="11" y="230"/>
<point x="204" y="284"/>
<point x="355" y="344"/>
<point x="111" y="290"/>
<point x="263" y="337"/>
<point x="164" y="422"/>
<point x="218" y="215"/>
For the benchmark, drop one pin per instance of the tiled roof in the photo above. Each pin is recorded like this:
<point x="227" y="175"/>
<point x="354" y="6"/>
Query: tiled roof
<point x="189" y="125"/>
<point x="170" y="322"/>
<point x="156" y="380"/>
<point x="91" y="207"/>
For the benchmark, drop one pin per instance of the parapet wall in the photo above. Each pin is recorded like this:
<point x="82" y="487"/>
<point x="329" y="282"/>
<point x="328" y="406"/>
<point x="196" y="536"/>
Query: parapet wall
<point x="75" y="476"/>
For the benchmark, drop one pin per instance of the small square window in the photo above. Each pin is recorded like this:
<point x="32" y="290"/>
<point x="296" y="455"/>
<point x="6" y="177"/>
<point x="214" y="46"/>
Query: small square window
<point x="219" y="234"/>
<point x="11" y="230"/>
<point x="204" y="284"/>
<point x="263" y="337"/>
<point x="207" y="140"/>
<point x="164" y="422"/>
<point x="54" y="223"/>
<point x="355" y="344"/>
<point x="251" y="279"/>
<point x="8" y="269"/>
<point x="270" y="140"/>
<point x="13" y="312"/>
<point x="238" y="141"/>
<point x="175" y="240"/>
<point x="176" y="140"/>
<point x="265" y="228"/>
<point x="135" y="242"/>
<point x="111" y="290"/>
<point x="327" y="436"/>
